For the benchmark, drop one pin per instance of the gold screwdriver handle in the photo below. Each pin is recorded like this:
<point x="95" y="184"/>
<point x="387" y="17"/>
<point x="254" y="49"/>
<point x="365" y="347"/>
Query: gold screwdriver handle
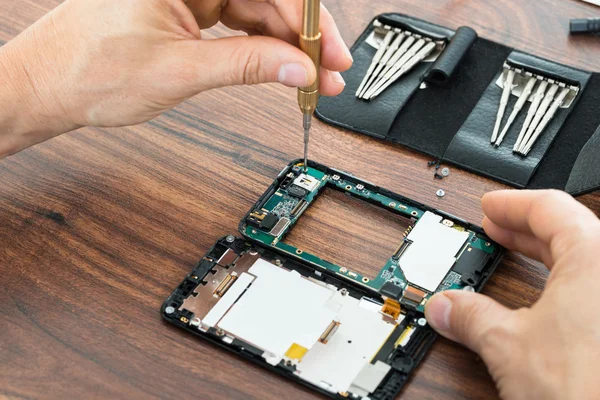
<point x="310" y="43"/>
<point x="308" y="96"/>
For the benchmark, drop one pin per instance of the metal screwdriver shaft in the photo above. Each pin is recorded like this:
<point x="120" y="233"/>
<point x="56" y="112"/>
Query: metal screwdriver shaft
<point x="310" y="43"/>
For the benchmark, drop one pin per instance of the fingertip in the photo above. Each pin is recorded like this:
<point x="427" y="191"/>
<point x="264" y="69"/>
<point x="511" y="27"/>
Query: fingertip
<point x="437" y="312"/>
<point x="335" y="54"/>
<point x="332" y="83"/>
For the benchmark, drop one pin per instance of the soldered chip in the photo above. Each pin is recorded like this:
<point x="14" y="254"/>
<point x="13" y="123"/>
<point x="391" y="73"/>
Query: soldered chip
<point x="269" y="221"/>
<point x="280" y="227"/>
<point x="307" y="182"/>
<point x="297" y="191"/>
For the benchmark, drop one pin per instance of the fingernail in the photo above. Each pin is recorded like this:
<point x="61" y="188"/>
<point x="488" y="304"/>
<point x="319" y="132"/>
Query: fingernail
<point x="438" y="312"/>
<point x="293" y="75"/>
<point x="348" y="54"/>
<point x="337" y="77"/>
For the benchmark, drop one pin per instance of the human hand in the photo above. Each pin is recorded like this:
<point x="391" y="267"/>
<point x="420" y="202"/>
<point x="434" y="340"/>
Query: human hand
<point x="122" y="62"/>
<point x="552" y="349"/>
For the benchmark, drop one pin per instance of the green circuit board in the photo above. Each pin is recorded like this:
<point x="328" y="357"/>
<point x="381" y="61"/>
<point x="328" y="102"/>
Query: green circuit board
<point x="270" y="223"/>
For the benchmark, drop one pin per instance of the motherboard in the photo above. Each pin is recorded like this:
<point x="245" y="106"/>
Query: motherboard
<point x="437" y="252"/>
<point x="340" y="332"/>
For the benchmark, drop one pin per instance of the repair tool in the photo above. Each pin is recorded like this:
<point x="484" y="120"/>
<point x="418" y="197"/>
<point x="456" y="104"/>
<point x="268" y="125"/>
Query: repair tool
<point x="541" y="111"/>
<point x="535" y="103"/>
<point x="387" y="55"/>
<point x="546" y="120"/>
<point x="410" y="39"/>
<point x="585" y="25"/>
<point x="380" y="51"/>
<point x="310" y="43"/>
<point x="508" y="86"/>
<point x="413" y="56"/>
<point x="517" y="109"/>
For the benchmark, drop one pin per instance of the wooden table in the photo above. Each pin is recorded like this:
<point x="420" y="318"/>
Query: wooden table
<point x="97" y="227"/>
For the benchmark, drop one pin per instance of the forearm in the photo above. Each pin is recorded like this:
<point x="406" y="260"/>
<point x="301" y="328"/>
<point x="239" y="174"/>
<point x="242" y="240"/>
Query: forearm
<point x="27" y="113"/>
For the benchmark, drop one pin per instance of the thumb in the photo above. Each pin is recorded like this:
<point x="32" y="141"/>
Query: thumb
<point x="468" y="318"/>
<point x="249" y="60"/>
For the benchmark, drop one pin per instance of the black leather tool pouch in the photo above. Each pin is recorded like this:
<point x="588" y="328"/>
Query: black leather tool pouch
<point x="447" y="109"/>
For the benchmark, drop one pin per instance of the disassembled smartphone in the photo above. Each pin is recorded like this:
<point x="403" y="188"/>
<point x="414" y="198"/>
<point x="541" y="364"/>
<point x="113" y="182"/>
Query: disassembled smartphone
<point x="343" y="334"/>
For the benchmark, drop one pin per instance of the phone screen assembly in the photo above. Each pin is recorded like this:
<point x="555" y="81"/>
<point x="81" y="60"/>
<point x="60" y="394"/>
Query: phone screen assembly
<point x="320" y="324"/>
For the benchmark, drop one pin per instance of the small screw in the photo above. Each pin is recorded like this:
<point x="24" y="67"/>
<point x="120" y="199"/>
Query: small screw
<point x="230" y="239"/>
<point x="278" y="262"/>
<point x="422" y="322"/>
<point x="440" y="193"/>
<point x="170" y="310"/>
<point x="445" y="171"/>
<point x="438" y="176"/>
<point x="344" y="292"/>
<point x="195" y="322"/>
<point x="220" y="332"/>
<point x="469" y="289"/>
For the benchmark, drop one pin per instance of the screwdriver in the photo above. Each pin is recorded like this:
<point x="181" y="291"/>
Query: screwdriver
<point x="310" y="43"/>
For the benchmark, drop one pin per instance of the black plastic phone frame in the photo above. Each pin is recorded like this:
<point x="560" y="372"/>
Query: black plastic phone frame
<point x="404" y="362"/>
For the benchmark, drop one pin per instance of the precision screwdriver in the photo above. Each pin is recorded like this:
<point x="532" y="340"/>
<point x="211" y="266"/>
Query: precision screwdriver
<point x="310" y="43"/>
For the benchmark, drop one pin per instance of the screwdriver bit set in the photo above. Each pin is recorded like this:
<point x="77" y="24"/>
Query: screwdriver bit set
<point x="545" y="95"/>
<point x="398" y="52"/>
<point x="472" y="103"/>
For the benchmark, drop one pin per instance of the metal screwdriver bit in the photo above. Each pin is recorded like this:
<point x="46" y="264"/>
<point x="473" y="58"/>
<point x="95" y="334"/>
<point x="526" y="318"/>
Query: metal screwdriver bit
<point x="383" y="61"/>
<point x="393" y="74"/>
<point x="535" y="103"/>
<point x="410" y="40"/>
<point x="380" y="51"/>
<point x="508" y="85"/>
<point x="560" y="99"/>
<point x="541" y="111"/>
<point x="517" y="109"/>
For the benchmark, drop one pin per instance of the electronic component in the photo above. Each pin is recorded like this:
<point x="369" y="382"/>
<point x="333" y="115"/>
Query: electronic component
<point x="313" y="321"/>
<point x="331" y="329"/>
<point x="391" y="308"/>
<point x="391" y="290"/>
<point x="289" y="178"/>
<point x="225" y="285"/>
<point x="369" y="378"/>
<point x="414" y="295"/>
<point x="405" y="336"/>
<point x="269" y="221"/>
<point x="297" y="191"/>
<point x="432" y="252"/>
<point x="470" y="265"/>
<point x="281" y="225"/>
<point x="288" y="316"/>
<point x="307" y="182"/>
<point x="300" y="206"/>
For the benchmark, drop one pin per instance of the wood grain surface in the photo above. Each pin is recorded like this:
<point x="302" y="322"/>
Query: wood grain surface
<point x="98" y="226"/>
